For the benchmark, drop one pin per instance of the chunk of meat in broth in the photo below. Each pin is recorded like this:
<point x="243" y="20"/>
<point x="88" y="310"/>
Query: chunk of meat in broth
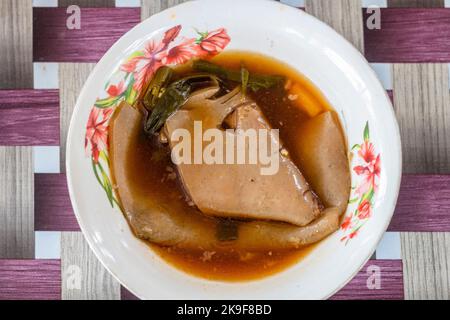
<point x="322" y="156"/>
<point x="170" y="226"/>
<point x="241" y="191"/>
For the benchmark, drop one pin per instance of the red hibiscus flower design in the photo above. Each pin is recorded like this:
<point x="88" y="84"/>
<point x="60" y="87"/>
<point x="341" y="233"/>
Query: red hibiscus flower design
<point x="350" y="236"/>
<point x="170" y="35"/>
<point x="116" y="90"/>
<point x="209" y="44"/>
<point x="367" y="152"/>
<point x="144" y="66"/>
<point x="97" y="131"/>
<point x="353" y="234"/>
<point x="181" y="53"/>
<point x="370" y="170"/>
<point x="130" y="65"/>
<point x="346" y="223"/>
<point x="157" y="54"/>
<point x="214" y="42"/>
<point x="364" y="209"/>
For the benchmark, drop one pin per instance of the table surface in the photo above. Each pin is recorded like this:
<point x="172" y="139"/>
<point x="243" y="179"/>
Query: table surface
<point x="44" y="65"/>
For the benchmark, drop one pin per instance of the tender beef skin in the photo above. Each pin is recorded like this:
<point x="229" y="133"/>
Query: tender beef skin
<point x="322" y="156"/>
<point x="154" y="222"/>
<point x="240" y="191"/>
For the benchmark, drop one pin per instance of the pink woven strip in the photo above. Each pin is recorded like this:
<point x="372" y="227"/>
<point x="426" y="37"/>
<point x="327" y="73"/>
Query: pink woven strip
<point x="423" y="204"/>
<point x="30" y="279"/>
<point x="29" y="117"/>
<point x="410" y="35"/>
<point x="100" y="28"/>
<point x="406" y="35"/>
<point x="53" y="210"/>
<point x="379" y="279"/>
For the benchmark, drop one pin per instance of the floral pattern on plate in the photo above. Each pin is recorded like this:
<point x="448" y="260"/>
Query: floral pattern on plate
<point x="130" y="79"/>
<point x="368" y="170"/>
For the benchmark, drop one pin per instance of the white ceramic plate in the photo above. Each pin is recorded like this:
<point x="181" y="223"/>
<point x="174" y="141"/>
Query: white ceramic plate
<point x="292" y="36"/>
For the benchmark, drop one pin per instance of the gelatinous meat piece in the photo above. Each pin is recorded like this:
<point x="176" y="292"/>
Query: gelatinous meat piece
<point x="241" y="190"/>
<point x="322" y="156"/>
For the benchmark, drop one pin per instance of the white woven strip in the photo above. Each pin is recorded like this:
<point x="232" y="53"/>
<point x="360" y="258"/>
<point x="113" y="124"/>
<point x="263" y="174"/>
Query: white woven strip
<point x="378" y="3"/>
<point x="45" y="75"/>
<point x="45" y="3"/>
<point x="384" y="73"/>
<point x="294" y="3"/>
<point x="46" y="159"/>
<point x="47" y="245"/>
<point x="389" y="247"/>
<point x="128" y="3"/>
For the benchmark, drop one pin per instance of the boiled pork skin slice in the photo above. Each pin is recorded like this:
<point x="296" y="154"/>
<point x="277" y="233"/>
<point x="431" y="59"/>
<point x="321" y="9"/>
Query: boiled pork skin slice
<point x="322" y="156"/>
<point x="241" y="191"/>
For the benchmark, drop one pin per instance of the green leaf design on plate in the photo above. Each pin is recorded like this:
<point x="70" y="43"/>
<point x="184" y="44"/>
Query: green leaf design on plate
<point x="107" y="102"/>
<point x="134" y="55"/>
<point x="103" y="179"/>
<point x="366" y="132"/>
<point x="353" y="200"/>
<point x="130" y="94"/>
<point x="368" y="195"/>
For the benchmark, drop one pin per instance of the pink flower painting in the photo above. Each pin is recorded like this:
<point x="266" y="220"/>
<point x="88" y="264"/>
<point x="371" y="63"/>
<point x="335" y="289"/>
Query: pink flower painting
<point x="368" y="170"/>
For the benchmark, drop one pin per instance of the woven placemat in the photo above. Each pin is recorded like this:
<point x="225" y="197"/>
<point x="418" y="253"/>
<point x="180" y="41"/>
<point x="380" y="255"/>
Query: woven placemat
<point x="44" y="65"/>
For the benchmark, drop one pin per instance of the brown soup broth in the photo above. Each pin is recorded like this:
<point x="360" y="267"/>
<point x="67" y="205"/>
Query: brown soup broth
<point x="153" y="175"/>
